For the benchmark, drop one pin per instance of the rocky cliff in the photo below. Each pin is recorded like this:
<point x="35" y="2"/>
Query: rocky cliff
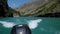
<point x="51" y="8"/>
<point x="40" y="8"/>
<point x="4" y="9"/>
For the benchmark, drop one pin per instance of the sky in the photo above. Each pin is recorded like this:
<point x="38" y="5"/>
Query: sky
<point x="16" y="3"/>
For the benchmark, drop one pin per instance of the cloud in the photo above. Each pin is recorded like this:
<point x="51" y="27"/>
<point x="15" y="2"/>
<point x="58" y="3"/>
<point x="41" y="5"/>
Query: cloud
<point x="7" y="24"/>
<point x="34" y="23"/>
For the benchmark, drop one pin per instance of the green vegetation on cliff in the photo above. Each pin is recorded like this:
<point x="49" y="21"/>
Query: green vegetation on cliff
<point x="52" y="7"/>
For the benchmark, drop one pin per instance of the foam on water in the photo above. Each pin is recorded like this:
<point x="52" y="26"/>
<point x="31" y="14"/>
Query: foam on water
<point x="7" y="24"/>
<point x="32" y="23"/>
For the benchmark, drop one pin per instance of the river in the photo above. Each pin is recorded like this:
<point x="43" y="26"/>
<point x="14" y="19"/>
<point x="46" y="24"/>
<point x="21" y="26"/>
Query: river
<point x="38" y="25"/>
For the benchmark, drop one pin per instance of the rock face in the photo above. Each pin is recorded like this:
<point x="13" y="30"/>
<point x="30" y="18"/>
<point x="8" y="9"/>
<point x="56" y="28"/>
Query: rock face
<point x="40" y="8"/>
<point x="4" y="9"/>
<point x="29" y="7"/>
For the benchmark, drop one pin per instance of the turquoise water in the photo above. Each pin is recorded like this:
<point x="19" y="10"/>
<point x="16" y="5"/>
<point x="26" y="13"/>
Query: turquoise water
<point x="46" y="26"/>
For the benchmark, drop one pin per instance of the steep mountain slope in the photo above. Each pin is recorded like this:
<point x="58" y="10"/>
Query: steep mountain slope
<point x="41" y="8"/>
<point x="47" y="8"/>
<point x="26" y="8"/>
